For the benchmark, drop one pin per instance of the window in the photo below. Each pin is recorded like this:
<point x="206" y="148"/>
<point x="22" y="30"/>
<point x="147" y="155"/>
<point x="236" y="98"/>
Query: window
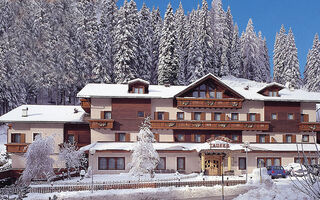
<point x="197" y="116"/>
<point x="274" y="116"/>
<point x="276" y="162"/>
<point x="305" y="138"/>
<point x="16" y="138"/>
<point x="260" y="162"/>
<point x="162" y="163"/>
<point x="181" y="163"/>
<point x="121" y="137"/>
<point x="160" y="115"/>
<point x="180" y="137"/>
<point x="266" y="162"/>
<point x="180" y="116"/>
<point x="234" y="116"/>
<point x="35" y="135"/>
<point x="262" y="138"/>
<point x="197" y="138"/>
<point x="288" y="138"/>
<point x="111" y="163"/>
<point x="140" y="114"/>
<point x="71" y="139"/>
<point x="252" y="117"/>
<point x="107" y="115"/>
<point x="217" y="116"/>
<point x="219" y="95"/>
<point x="138" y="90"/>
<point x="235" y="138"/>
<point x="273" y="93"/>
<point x="242" y="163"/>
<point x="306" y="161"/>
<point x="290" y="116"/>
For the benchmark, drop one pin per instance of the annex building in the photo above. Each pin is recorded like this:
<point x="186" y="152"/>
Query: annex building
<point x="205" y="126"/>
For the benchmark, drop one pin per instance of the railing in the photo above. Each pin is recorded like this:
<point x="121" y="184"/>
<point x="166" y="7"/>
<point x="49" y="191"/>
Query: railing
<point x="210" y="125"/>
<point x="208" y="103"/>
<point x="86" y="105"/>
<point x="309" y="126"/>
<point x="65" y="188"/>
<point x="17" y="147"/>
<point x="101" y="123"/>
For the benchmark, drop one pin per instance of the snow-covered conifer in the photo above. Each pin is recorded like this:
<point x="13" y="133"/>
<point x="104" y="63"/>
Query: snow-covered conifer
<point x="168" y="57"/>
<point x="144" y="157"/>
<point x="235" y="57"/>
<point x="263" y="59"/>
<point x="279" y="55"/>
<point x="38" y="160"/>
<point x="156" y="28"/>
<point x="312" y="68"/>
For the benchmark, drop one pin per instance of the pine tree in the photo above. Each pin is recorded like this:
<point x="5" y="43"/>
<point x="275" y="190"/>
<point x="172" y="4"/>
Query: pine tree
<point x="156" y="28"/>
<point x="249" y="53"/>
<point x="279" y="55"/>
<point x="263" y="59"/>
<point x="168" y="57"/>
<point x="180" y="21"/>
<point x="312" y="68"/>
<point x="291" y="68"/>
<point x="144" y="157"/>
<point x="126" y="44"/>
<point x="145" y="34"/>
<point x="235" y="57"/>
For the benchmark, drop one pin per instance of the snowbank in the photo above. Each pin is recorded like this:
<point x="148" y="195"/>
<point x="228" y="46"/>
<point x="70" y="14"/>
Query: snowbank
<point x="254" y="178"/>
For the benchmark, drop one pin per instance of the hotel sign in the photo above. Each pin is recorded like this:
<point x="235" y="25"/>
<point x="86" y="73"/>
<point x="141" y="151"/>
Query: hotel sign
<point x="221" y="145"/>
<point x="219" y="142"/>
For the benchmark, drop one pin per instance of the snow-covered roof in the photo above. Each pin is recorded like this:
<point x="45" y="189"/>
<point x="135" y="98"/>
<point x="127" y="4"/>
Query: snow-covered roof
<point x="270" y="85"/>
<point x="139" y="80"/>
<point x="45" y="113"/>
<point x="236" y="84"/>
<point x="128" y="146"/>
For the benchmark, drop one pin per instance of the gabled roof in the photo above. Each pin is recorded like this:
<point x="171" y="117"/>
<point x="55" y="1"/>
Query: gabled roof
<point x="273" y="84"/>
<point x="138" y="80"/>
<point x="45" y="114"/>
<point x="204" y="78"/>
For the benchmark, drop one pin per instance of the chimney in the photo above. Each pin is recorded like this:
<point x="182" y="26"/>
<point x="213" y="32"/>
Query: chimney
<point x="167" y="85"/>
<point x="25" y="112"/>
<point x="247" y="87"/>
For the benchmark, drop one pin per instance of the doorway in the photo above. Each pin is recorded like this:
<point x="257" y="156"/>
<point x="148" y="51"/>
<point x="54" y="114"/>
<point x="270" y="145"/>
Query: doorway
<point x="212" y="165"/>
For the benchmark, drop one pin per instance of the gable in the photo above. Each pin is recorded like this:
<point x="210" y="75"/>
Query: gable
<point x="271" y="89"/>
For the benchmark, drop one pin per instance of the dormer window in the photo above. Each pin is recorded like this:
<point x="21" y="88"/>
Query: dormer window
<point x="273" y="93"/>
<point x="138" y="90"/>
<point x="138" y="86"/>
<point x="271" y="90"/>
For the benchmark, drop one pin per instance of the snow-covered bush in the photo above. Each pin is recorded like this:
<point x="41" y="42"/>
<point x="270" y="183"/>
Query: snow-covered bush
<point x="72" y="157"/>
<point x="39" y="164"/>
<point x="254" y="178"/>
<point x="144" y="157"/>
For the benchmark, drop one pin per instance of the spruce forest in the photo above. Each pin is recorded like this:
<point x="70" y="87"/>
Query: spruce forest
<point x="49" y="50"/>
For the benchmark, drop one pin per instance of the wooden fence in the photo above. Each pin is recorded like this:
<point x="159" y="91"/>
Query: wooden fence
<point x="70" y="188"/>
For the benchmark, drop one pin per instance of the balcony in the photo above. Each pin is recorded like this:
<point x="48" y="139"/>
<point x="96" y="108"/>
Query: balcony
<point x="309" y="126"/>
<point x="17" y="147"/>
<point x="210" y="125"/>
<point x="101" y="123"/>
<point x="86" y="105"/>
<point x="208" y="103"/>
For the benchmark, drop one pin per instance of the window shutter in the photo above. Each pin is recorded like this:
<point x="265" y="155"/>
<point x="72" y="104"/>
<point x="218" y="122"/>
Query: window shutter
<point x="258" y="117"/>
<point x="248" y="116"/>
<point x="192" y="137"/>
<point x="156" y="137"/>
<point x="294" y="139"/>
<point x="192" y="116"/>
<point x="203" y="137"/>
<point x="12" y="138"/>
<point x="203" y="116"/>
<point x="212" y="116"/>
<point x="257" y="138"/>
<point x="166" y="116"/>
<point x="102" y="115"/>
<point x="284" y="138"/>
<point x="306" y="118"/>
<point x="116" y="135"/>
<point x="273" y="140"/>
<point x="223" y="116"/>
<point x="155" y="115"/>
<point x="267" y="138"/>
<point x="127" y="137"/>
<point x="23" y="138"/>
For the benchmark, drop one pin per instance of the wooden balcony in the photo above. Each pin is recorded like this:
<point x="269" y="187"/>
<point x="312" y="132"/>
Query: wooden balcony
<point x="17" y="147"/>
<point x="101" y="123"/>
<point x="86" y="105"/>
<point x="210" y="125"/>
<point x="208" y="103"/>
<point x="309" y="126"/>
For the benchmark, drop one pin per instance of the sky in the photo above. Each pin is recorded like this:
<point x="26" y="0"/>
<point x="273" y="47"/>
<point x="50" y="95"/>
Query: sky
<point x="267" y="15"/>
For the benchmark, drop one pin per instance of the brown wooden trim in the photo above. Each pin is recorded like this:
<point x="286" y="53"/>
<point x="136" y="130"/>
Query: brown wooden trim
<point x="156" y="137"/>
<point x="208" y="103"/>
<point x="156" y="116"/>
<point x="184" y="163"/>
<point x="305" y="118"/>
<point x="309" y="126"/>
<point x="101" y="123"/>
<point x="223" y="117"/>
<point x="248" y="116"/>
<point x="192" y="115"/>
<point x="127" y="137"/>
<point x="267" y="138"/>
<point x="203" y="116"/>
<point x="86" y="104"/>
<point x="294" y="138"/>
<point x="258" y="117"/>
<point x="166" y="115"/>
<point x="257" y="138"/>
<point x="17" y="147"/>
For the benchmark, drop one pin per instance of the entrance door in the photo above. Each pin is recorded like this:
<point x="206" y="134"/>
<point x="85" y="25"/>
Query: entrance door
<point x="213" y="165"/>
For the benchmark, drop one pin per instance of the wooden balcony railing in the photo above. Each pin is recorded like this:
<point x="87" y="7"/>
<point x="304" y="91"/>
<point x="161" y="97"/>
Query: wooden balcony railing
<point x="86" y="105"/>
<point x="208" y="103"/>
<point x="309" y="126"/>
<point x="17" y="147"/>
<point x="210" y="125"/>
<point x="101" y="123"/>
